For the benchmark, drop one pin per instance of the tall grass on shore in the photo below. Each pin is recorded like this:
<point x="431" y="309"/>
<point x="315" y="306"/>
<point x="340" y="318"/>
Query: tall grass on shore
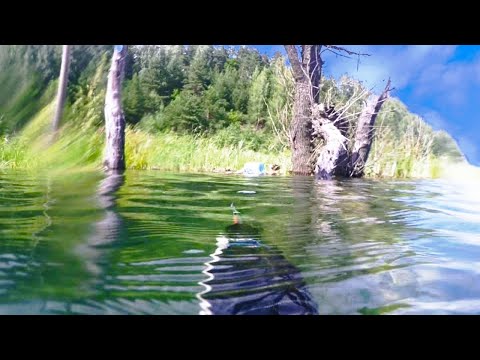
<point x="403" y="155"/>
<point x="395" y="154"/>
<point x="78" y="146"/>
<point x="186" y="153"/>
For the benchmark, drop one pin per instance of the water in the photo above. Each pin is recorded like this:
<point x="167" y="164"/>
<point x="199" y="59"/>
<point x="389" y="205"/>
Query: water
<point x="153" y="243"/>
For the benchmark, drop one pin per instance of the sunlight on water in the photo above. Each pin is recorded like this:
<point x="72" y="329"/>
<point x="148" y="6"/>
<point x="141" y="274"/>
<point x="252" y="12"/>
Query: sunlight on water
<point x="153" y="243"/>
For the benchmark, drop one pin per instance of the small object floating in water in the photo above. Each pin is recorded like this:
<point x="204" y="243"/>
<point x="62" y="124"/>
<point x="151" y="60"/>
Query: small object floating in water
<point x="254" y="169"/>
<point x="246" y="192"/>
<point x="193" y="251"/>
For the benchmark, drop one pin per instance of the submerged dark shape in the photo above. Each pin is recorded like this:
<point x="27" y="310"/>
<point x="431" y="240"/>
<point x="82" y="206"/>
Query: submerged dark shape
<point x="249" y="278"/>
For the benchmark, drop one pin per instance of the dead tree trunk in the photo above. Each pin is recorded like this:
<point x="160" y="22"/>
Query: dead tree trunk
<point x="365" y="132"/>
<point x="312" y="123"/>
<point x="315" y="64"/>
<point x="333" y="152"/>
<point x="301" y="130"/>
<point x="62" y="87"/>
<point x="307" y="74"/>
<point x="114" y="117"/>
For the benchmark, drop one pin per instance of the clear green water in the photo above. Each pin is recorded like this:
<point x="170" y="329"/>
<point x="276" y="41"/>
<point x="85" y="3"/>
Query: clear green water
<point x="153" y="243"/>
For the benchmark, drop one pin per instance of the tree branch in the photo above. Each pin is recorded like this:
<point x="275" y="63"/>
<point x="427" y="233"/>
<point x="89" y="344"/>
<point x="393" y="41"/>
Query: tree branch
<point x="342" y="49"/>
<point x="338" y="54"/>
<point x="294" y="61"/>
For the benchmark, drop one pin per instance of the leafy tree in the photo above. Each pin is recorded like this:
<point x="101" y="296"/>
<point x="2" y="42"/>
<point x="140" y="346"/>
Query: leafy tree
<point x="185" y="114"/>
<point x="134" y="100"/>
<point x="199" y="70"/>
<point x="258" y="94"/>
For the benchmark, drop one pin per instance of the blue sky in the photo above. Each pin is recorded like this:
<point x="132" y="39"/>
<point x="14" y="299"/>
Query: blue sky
<point x="441" y="83"/>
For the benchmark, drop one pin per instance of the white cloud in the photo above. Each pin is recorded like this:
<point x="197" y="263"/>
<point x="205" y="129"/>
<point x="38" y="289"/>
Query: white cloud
<point x="403" y="64"/>
<point x="425" y="65"/>
<point x="450" y="82"/>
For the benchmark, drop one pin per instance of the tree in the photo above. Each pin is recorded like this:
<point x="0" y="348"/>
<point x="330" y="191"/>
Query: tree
<point x="219" y="58"/>
<point x="307" y="73"/>
<point x="161" y="72"/>
<point x="259" y="91"/>
<point x="114" y="117"/>
<point x="134" y="100"/>
<point x="186" y="114"/>
<point x="199" y="72"/>
<point x="247" y="62"/>
<point x="315" y="120"/>
<point x="365" y="132"/>
<point x="62" y="87"/>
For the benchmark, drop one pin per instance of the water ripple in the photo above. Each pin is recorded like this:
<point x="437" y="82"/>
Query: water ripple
<point x="153" y="243"/>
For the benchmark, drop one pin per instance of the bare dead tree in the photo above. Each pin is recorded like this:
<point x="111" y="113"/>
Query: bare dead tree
<point x="114" y="116"/>
<point x="306" y="68"/>
<point x="333" y="126"/>
<point x="323" y="124"/>
<point x="332" y="149"/>
<point x="62" y="87"/>
<point x="365" y="132"/>
<point x="307" y="71"/>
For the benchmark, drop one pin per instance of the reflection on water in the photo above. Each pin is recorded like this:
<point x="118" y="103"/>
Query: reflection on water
<point x="153" y="243"/>
<point x="246" y="277"/>
<point x="109" y="228"/>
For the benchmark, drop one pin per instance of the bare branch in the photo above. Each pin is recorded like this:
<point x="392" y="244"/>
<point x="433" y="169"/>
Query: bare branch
<point x="337" y="53"/>
<point x="384" y="96"/>
<point x="342" y="49"/>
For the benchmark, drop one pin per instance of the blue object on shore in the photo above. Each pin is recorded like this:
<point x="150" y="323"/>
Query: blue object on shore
<point x="254" y="169"/>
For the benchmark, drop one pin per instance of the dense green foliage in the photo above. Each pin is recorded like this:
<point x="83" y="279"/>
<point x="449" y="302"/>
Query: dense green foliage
<point x="174" y="95"/>
<point x="197" y="89"/>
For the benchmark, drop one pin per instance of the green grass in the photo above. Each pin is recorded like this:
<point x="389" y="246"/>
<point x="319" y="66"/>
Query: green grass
<point x="407" y="154"/>
<point x="82" y="147"/>
<point x="184" y="153"/>
<point x="79" y="145"/>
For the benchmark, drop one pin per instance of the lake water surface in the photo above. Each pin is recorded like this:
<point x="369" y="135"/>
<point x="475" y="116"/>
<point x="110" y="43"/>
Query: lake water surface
<point x="156" y="243"/>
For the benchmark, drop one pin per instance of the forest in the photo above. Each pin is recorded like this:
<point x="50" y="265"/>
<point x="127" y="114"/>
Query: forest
<point x="195" y="108"/>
